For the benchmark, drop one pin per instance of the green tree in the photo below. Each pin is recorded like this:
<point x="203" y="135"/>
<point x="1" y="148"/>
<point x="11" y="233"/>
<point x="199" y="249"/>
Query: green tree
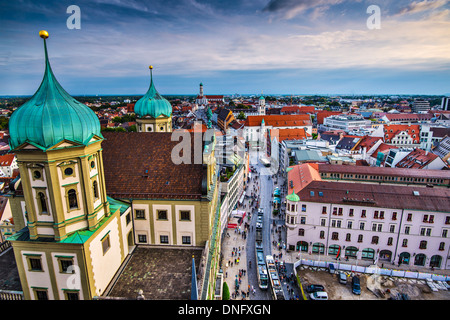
<point x="241" y="115"/>
<point x="225" y="292"/>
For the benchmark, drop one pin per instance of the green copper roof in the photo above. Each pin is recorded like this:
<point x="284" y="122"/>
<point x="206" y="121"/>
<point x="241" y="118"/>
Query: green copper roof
<point x="293" y="197"/>
<point x="152" y="103"/>
<point x="51" y="116"/>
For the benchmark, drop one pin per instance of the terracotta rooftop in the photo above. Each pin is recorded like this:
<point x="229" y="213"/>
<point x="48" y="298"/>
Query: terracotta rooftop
<point x="385" y="171"/>
<point x="279" y="120"/>
<point x="289" y="134"/>
<point x="138" y="165"/>
<point x="374" y="195"/>
<point x="416" y="159"/>
<point x="390" y="131"/>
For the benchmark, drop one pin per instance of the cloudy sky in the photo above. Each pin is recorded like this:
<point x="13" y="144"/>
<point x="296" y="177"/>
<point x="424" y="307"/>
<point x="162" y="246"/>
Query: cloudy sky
<point x="237" y="46"/>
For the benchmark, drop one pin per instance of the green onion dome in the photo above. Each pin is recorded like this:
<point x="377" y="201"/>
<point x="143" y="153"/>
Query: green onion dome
<point x="293" y="197"/>
<point x="152" y="103"/>
<point x="52" y="116"/>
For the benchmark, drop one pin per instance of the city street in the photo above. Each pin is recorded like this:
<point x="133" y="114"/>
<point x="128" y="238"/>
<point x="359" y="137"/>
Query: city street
<point x="273" y="237"/>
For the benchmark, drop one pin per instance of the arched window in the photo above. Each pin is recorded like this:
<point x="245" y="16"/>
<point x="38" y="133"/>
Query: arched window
<point x="43" y="202"/>
<point x="95" y="189"/>
<point x="72" y="196"/>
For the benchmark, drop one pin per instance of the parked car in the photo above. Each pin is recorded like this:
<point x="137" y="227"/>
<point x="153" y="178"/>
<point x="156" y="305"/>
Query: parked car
<point x="356" y="286"/>
<point x="314" y="288"/>
<point x="331" y="268"/>
<point x="319" y="295"/>
<point x="342" y="278"/>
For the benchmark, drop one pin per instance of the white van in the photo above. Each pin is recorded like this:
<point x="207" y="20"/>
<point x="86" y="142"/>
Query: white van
<point x="319" y="295"/>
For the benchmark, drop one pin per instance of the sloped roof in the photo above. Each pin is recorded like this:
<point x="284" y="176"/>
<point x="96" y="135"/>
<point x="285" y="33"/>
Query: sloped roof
<point x="138" y="165"/>
<point x="279" y="120"/>
<point x="374" y="195"/>
<point x="392" y="130"/>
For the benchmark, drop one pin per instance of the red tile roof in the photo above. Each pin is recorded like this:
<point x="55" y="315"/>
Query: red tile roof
<point x="289" y="134"/>
<point x="6" y="160"/>
<point x="416" y="159"/>
<point x="139" y="166"/>
<point x="392" y="130"/>
<point x="279" y="120"/>
<point x="374" y="195"/>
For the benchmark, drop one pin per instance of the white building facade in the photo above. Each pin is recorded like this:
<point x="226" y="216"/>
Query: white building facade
<point x="364" y="230"/>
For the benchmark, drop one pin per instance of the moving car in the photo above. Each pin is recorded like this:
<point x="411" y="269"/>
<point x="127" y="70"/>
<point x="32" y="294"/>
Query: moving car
<point x="319" y="295"/>
<point x="356" y="287"/>
<point x="314" y="288"/>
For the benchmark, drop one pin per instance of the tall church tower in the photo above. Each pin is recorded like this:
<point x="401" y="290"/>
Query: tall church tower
<point x="153" y="112"/>
<point x="66" y="213"/>
<point x="262" y="106"/>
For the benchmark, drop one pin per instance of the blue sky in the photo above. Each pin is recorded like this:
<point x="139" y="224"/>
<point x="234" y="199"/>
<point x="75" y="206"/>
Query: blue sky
<point x="273" y="46"/>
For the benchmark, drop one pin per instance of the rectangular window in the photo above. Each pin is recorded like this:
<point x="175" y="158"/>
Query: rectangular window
<point x="303" y="207"/>
<point x="349" y="224"/>
<point x="324" y="211"/>
<point x="323" y="222"/>
<point x="66" y="265"/>
<point x="128" y="218"/>
<point x="390" y="241"/>
<point x="363" y="213"/>
<point x="105" y="244"/>
<point x="392" y="228"/>
<point x="322" y="234"/>
<point x="164" y="239"/>
<point x="361" y="226"/>
<point x="72" y="295"/>
<point x="142" y="238"/>
<point x="444" y="233"/>
<point x="185" y="215"/>
<point x="35" y="264"/>
<point x="394" y="215"/>
<point x="407" y="229"/>
<point x="360" y="238"/>
<point x="302" y="220"/>
<point x="162" y="214"/>
<point x="409" y="218"/>
<point x="41" y="294"/>
<point x="350" y="213"/>
<point x="186" y="239"/>
<point x="405" y="243"/>
<point x="139" y="214"/>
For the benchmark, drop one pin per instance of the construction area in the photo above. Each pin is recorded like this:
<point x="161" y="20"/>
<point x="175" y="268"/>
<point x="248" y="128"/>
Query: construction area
<point x="373" y="286"/>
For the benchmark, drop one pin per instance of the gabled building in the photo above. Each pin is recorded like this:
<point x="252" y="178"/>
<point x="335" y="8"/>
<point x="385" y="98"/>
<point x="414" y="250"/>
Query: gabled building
<point x="402" y="135"/>
<point x="421" y="159"/>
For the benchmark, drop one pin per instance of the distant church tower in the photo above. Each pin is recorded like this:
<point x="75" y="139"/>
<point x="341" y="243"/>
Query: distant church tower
<point x="153" y="112"/>
<point x="67" y="228"/>
<point x="262" y="106"/>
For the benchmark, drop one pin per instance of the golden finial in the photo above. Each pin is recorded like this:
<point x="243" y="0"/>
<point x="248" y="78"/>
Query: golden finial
<point x="150" y="67"/>
<point x="43" y="34"/>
